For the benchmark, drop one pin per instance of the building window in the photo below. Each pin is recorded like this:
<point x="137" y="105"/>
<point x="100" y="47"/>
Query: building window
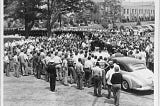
<point x="153" y="11"/>
<point x="132" y="10"/>
<point x="135" y="11"/>
<point x="127" y="11"/>
<point x="124" y="11"/>
<point x="139" y="11"/>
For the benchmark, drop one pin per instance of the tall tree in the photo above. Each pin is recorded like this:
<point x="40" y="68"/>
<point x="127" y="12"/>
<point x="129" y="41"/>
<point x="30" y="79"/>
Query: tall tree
<point x="87" y="8"/>
<point x="27" y="10"/>
<point x="113" y="8"/>
<point x="57" y="8"/>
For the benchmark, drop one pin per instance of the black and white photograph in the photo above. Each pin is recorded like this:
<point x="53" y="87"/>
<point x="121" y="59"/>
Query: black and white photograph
<point x="79" y="53"/>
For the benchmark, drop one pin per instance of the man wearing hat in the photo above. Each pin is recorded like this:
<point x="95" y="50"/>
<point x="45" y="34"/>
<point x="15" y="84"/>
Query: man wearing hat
<point x="51" y="69"/>
<point x="116" y="81"/>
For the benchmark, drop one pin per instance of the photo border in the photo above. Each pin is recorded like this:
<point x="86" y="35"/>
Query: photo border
<point x="156" y="53"/>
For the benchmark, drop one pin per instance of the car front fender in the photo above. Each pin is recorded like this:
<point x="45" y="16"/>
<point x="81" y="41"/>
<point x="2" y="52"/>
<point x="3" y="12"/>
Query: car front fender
<point x="128" y="79"/>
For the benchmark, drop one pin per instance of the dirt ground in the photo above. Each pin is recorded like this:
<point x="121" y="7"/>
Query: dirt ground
<point x="29" y="91"/>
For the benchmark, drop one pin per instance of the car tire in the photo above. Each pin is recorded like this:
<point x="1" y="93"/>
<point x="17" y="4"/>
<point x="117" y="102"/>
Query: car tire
<point x="125" y="85"/>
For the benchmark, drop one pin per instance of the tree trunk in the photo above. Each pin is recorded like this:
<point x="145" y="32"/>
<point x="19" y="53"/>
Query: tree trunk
<point x="60" y="20"/>
<point x="48" y="20"/>
<point x="26" y="28"/>
<point x="49" y="28"/>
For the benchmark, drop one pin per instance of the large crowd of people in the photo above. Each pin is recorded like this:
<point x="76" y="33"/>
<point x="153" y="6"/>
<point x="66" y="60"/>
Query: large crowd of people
<point x="74" y="61"/>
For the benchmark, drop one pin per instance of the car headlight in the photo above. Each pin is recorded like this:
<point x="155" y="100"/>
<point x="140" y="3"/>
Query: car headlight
<point x="136" y="83"/>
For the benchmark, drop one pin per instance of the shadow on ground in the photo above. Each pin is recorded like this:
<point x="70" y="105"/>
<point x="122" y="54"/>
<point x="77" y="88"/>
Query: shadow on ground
<point x="140" y="93"/>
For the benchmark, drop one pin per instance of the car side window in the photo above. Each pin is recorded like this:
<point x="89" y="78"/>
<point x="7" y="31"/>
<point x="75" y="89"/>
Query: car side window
<point x="122" y="67"/>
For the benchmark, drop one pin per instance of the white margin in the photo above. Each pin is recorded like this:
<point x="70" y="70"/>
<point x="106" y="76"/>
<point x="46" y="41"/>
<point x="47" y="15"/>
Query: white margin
<point x="1" y="48"/>
<point x="156" y="55"/>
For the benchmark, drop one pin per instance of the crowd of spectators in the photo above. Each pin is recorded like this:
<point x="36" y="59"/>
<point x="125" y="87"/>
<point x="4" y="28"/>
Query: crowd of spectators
<point x="129" y="45"/>
<point x="77" y="62"/>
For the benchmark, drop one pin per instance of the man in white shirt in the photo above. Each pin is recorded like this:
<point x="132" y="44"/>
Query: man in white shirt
<point x="16" y="65"/>
<point x="58" y="61"/>
<point x="75" y="57"/>
<point x="65" y="69"/>
<point x="45" y="62"/>
<point x="143" y="56"/>
<point x="88" y="65"/>
<point x="97" y="76"/>
<point x="26" y="63"/>
<point x="6" y="64"/>
<point x="109" y="76"/>
<point x="79" y="72"/>
<point x="22" y="62"/>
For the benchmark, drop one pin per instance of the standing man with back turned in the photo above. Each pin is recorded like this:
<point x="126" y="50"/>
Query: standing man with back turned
<point x="79" y="72"/>
<point x="51" y="69"/>
<point x="97" y="77"/>
<point x="116" y="81"/>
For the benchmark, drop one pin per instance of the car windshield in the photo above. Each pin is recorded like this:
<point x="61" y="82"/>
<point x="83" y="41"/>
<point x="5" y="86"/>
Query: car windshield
<point x="135" y="27"/>
<point x="152" y="26"/>
<point x="137" y="66"/>
<point x="144" y="27"/>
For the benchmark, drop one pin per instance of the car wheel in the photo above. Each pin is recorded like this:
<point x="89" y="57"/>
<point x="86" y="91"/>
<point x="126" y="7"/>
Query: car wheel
<point x="125" y="85"/>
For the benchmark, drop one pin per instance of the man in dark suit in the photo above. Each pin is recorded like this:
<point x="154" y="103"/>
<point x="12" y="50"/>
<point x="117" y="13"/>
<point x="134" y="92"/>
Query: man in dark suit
<point x="51" y="69"/>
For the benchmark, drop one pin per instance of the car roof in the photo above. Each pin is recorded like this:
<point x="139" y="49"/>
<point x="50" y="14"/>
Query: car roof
<point x="128" y="60"/>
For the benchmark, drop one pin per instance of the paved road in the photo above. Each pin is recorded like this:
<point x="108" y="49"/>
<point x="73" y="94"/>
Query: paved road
<point x="29" y="91"/>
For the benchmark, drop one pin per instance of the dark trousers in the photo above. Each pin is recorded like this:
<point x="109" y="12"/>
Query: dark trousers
<point x="46" y="76"/>
<point x="52" y="82"/>
<point x="151" y="66"/>
<point x="23" y="68"/>
<point x="97" y="85"/>
<point x="88" y="77"/>
<point x="34" y="68"/>
<point x="104" y="79"/>
<point x="6" y="69"/>
<point x="11" y="65"/>
<point x="38" y="72"/>
<point x="16" y="70"/>
<point x="109" y="91"/>
<point x="116" y="92"/>
<point x="72" y="74"/>
<point x="79" y="81"/>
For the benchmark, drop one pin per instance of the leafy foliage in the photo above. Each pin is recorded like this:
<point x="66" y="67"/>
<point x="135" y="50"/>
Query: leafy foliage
<point x="113" y="10"/>
<point x="90" y="11"/>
